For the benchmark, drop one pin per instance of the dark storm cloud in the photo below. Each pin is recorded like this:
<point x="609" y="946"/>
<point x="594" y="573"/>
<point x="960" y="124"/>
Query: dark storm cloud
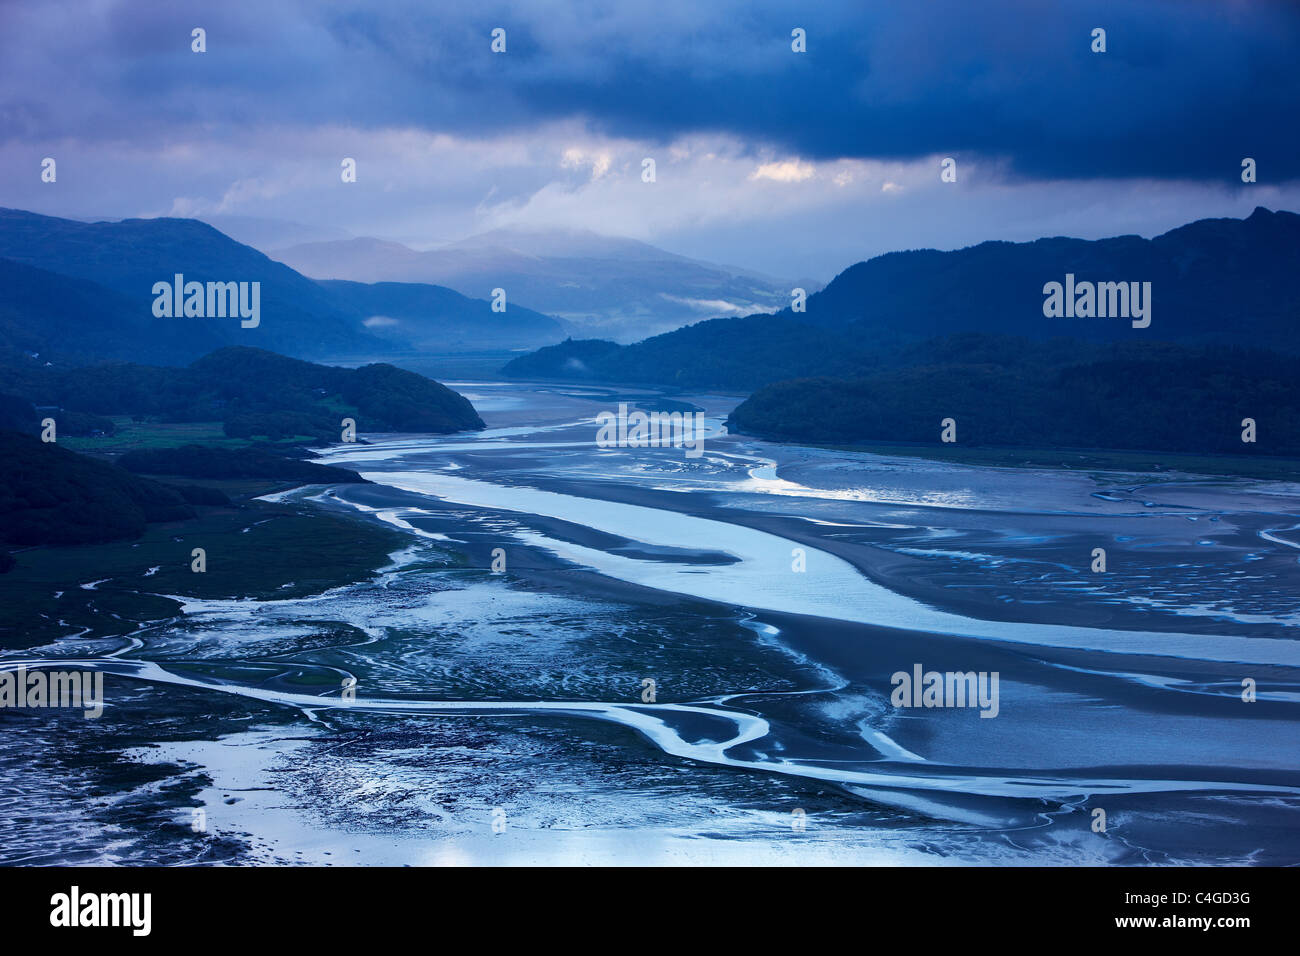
<point x="1184" y="91"/>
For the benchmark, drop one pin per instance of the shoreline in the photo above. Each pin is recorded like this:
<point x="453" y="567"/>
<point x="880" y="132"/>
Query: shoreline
<point x="1135" y="461"/>
<point x="1116" y="461"/>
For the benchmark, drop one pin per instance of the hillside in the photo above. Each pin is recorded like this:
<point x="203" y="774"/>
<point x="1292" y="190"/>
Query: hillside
<point x="52" y="496"/>
<point x="64" y="320"/>
<point x="437" y="319"/>
<point x="128" y="257"/>
<point x="78" y="293"/>
<point x="255" y="394"/>
<point x="1021" y="394"/>
<point x="1214" y="282"/>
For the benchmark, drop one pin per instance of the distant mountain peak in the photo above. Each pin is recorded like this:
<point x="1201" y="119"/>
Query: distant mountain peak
<point x="612" y="286"/>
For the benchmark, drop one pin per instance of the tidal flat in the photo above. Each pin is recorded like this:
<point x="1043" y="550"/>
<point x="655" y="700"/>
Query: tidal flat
<point x="533" y="582"/>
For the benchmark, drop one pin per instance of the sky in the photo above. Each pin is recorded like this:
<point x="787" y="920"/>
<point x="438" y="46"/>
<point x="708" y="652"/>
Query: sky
<point x="791" y="163"/>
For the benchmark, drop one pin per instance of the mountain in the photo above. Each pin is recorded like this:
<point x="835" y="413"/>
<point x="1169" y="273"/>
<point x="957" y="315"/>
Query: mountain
<point x="79" y="292"/>
<point x="621" y="288"/>
<point x="1213" y="282"/>
<point x="297" y="316"/>
<point x="434" y="318"/>
<point x="262" y="233"/>
<point x="45" y="316"/>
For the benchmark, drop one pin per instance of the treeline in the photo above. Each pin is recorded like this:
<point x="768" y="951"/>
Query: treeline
<point x="254" y="393"/>
<point x="747" y="353"/>
<point x="719" y="353"/>
<point x="1158" y="398"/>
<point x="207" y="461"/>
<point x="19" y="415"/>
<point x="52" y="496"/>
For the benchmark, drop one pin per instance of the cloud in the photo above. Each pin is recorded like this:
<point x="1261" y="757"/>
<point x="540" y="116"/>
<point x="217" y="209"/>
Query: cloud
<point x="576" y="158"/>
<point x="786" y="171"/>
<point x="712" y="307"/>
<point x="1183" y="91"/>
<point x="765" y="157"/>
